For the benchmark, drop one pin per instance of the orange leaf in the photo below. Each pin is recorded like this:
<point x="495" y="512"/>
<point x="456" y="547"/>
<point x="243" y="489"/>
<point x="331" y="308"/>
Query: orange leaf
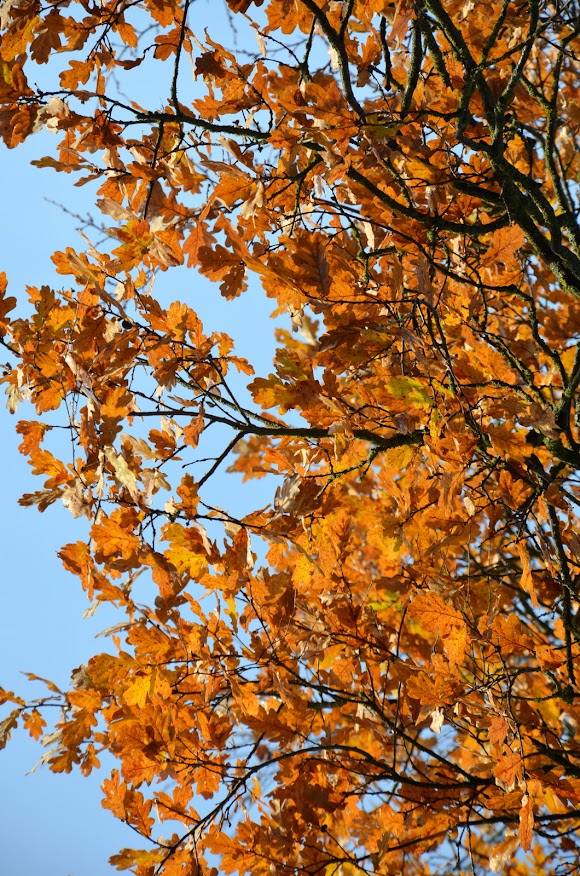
<point x="437" y="616"/>
<point x="509" y="769"/>
<point x="113" y="539"/>
<point x="526" y="825"/>
<point x="527" y="581"/>
<point x="498" y="729"/>
<point x="6" y="304"/>
<point x="505" y="244"/>
<point x="34" y="723"/>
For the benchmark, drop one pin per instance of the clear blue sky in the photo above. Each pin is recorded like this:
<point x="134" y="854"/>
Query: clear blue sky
<point x="54" y="824"/>
<point x="50" y="824"/>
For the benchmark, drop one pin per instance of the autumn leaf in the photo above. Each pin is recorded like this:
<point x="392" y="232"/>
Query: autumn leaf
<point x="437" y="616"/>
<point x="6" y="304"/>
<point x="509" y="769"/>
<point x="505" y="244"/>
<point x="527" y="581"/>
<point x="117" y="403"/>
<point x="510" y="634"/>
<point x="138" y="691"/>
<point x="189" y="551"/>
<point x="526" y="824"/>
<point x="114" y="540"/>
<point x="502" y="853"/>
<point x="410" y="390"/>
<point x="498" y="730"/>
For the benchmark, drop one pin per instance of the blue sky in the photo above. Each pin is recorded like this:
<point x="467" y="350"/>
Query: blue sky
<point x="53" y="824"/>
<point x="50" y="824"/>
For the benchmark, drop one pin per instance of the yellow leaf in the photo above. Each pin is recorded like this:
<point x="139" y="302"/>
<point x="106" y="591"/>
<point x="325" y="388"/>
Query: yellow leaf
<point x="410" y="389"/>
<point x="187" y="550"/>
<point x="136" y="694"/>
<point x="330" y="655"/>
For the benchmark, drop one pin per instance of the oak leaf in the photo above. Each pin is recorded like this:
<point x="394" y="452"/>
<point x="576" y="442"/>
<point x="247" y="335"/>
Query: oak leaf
<point x="437" y="616"/>
<point x="526" y="825"/>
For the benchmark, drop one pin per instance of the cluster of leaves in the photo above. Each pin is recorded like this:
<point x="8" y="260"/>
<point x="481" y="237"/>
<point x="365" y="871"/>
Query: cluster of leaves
<point x="384" y="677"/>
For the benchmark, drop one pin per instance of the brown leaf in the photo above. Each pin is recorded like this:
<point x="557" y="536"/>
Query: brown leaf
<point x="525" y="829"/>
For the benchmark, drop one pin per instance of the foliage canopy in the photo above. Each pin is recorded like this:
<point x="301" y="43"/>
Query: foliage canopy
<point x="382" y="676"/>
